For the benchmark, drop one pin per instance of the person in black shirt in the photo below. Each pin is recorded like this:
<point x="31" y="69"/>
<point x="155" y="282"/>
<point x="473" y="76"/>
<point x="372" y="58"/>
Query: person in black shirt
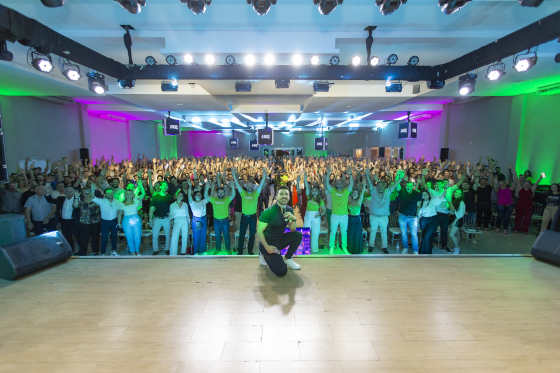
<point x="159" y="217"/>
<point x="270" y="232"/>
<point x="483" y="203"/>
<point x="408" y="215"/>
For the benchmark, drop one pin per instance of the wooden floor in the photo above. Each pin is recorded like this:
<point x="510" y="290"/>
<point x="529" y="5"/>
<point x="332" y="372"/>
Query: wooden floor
<point x="335" y="315"/>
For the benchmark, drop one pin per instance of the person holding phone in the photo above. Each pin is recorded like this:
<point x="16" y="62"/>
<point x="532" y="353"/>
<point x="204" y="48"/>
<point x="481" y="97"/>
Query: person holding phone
<point x="129" y="220"/>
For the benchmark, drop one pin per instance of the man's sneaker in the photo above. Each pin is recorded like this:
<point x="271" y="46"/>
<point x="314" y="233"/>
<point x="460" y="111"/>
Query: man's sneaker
<point x="155" y="253"/>
<point x="114" y="253"/>
<point x="446" y="249"/>
<point x="415" y="252"/>
<point x="293" y="265"/>
<point x="95" y="254"/>
<point x="456" y="251"/>
<point x="384" y="250"/>
<point x="404" y="251"/>
<point x="370" y="249"/>
<point x="331" y="251"/>
<point x="261" y="259"/>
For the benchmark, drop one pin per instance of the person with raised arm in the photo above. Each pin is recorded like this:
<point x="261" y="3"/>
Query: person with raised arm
<point x="220" y="208"/>
<point x="109" y="213"/>
<point x="355" y="237"/>
<point x="505" y="203"/>
<point x="179" y="213"/>
<point x="524" y="208"/>
<point x="159" y="217"/>
<point x="129" y="220"/>
<point x="90" y="222"/>
<point x="456" y="207"/>
<point x="199" y="220"/>
<point x="339" y="215"/>
<point x="314" y="210"/>
<point x="408" y="214"/>
<point x="249" y="201"/>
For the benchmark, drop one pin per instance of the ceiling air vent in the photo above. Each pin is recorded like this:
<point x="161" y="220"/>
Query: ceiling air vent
<point x="58" y="99"/>
<point x="552" y="89"/>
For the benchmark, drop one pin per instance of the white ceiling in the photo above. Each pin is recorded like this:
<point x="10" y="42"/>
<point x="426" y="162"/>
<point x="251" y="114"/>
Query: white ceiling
<point x="292" y="26"/>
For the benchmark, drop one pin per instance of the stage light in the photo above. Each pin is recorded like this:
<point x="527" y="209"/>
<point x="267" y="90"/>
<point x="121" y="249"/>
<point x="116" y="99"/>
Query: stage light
<point x="188" y="58"/>
<point x="249" y="60"/>
<point x="392" y="59"/>
<point x="467" y="83"/>
<point x="530" y="3"/>
<point x="355" y="60"/>
<point x="374" y="61"/>
<point x="524" y="62"/>
<point x="96" y="83"/>
<point x="269" y="59"/>
<point x="126" y="83"/>
<point x="133" y="6"/>
<point x="413" y="61"/>
<point x="261" y="6"/>
<point x="53" y="3"/>
<point x="41" y="62"/>
<point x="230" y="60"/>
<point x="169" y="85"/>
<point x="69" y="70"/>
<point x="150" y="61"/>
<point x="387" y="7"/>
<point x="496" y="71"/>
<point x="335" y="60"/>
<point x="198" y="7"/>
<point x="314" y="60"/>
<point x="435" y="84"/>
<point x="326" y="6"/>
<point x="451" y="6"/>
<point x="393" y="86"/>
<point x="171" y="60"/>
<point x="297" y="59"/>
<point x="210" y="59"/>
<point x="5" y="54"/>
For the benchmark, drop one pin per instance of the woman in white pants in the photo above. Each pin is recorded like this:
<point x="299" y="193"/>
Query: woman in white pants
<point x="179" y="212"/>
<point x="315" y="209"/>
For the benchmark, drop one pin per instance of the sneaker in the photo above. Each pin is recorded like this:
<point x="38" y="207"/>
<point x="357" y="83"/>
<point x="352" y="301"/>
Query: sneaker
<point x="331" y="251"/>
<point x="404" y="251"/>
<point x="456" y="251"/>
<point x="114" y="253"/>
<point x="293" y="265"/>
<point x="370" y="249"/>
<point x="262" y="261"/>
<point x="446" y="249"/>
<point x="155" y="253"/>
<point x="415" y="252"/>
<point x="384" y="249"/>
<point x="497" y="230"/>
<point x="95" y="254"/>
<point x="204" y="253"/>
<point x="506" y="232"/>
<point x="138" y="254"/>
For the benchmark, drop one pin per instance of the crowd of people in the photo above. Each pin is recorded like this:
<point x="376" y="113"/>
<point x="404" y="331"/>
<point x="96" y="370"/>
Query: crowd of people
<point x="204" y="197"/>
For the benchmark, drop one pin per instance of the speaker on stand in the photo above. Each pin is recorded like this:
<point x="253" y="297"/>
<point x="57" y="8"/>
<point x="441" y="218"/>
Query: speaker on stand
<point x="444" y="154"/>
<point x="84" y="155"/>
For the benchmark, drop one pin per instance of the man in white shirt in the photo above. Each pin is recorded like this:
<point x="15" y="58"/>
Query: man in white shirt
<point x="109" y="207"/>
<point x="442" y="208"/>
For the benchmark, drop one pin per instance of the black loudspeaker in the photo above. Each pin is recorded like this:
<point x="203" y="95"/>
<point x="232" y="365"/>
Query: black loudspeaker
<point x="12" y="229"/>
<point x="33" y="254"/>
<point x="444" y="154"/>
<point x="299" y="151"/>
<point x="547" y="247"/>
<point x="382" y="151"/>
<point x="84" y="153"/>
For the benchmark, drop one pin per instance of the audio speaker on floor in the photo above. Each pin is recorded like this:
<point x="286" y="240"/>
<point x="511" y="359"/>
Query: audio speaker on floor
<point x="547" y="247"/>
<point x="33" y="254"/>
<point x="444" y="154"/>
<point x="84" y="153"/>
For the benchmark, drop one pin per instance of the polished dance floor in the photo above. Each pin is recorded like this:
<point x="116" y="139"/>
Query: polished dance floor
<point x="229" y="314"/>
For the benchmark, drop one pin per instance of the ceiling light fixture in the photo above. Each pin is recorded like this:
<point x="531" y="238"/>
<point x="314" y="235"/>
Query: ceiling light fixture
<point x="126" y="83"/>
<point x="188" y="58"/>
<point x="261" y="7"/>
<point x="69" y="70"/>
<point x="53" y="3"/>
<point x="96" y="83"/>
<point x="496" y="71"/>
<point x="413" y="61"/>
<point x="326" y="7"/>
<point x="210" y="59"/>
<point x="230" y="60"/>
<point x="269" y="59"/>
<point x="387" y="7"/>
<point x="467" y="84"/>
<point x="314" y="60"/>
<point x="524" y="62"/>
<point x="451" y="6"/>
<point x="530" y="3"/>
<point x="297" y="59"/>
<point x="171" y="60"/>
<point x="169" y="85"/>
<point x="150" y="61"/>
<point x="133" y="6"/>
<point x="374" y="61"/>
<point x="250" y="60"/>
<point x="392" y="59"/>
<point x="198" y="7"/>
<point x="335" y="60"/>
<point x="41" y="62"/>
<point x="5" y="54"/>
<point x="393" y="86"/>
<point x="355" y="60"/>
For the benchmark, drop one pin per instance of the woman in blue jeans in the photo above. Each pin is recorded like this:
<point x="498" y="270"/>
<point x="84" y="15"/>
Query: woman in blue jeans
<point x="199" y="221"/>
<point x="131" y="222"/>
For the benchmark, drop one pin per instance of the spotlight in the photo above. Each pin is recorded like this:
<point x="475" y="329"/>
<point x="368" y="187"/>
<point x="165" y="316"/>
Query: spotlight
<point x="269" y="59"/>
<point x="42" y="62"/>
<point x="188" y="58"/>
<point x="326" y="6"/>
<point x="261" y="6"/>
<point x="413" y="61"/>
<point x="374" y="61"/>
<point x="392" y="59"/>
<point x="96" y="83"/>
<point x="171" y="60"/>
<point x="393" y="86"/>
<point x="198" y="7"/>
<point x="389" y="6"/>
<point x="355" y="60"/>
<point x="170" y="85"/>
<point x="150" y="61"/>
<point x="69" y="70"/>
<point x="126" y="83"/>
<point x="133" y="6"/>
<point x="297" y="59"/>
<point x="451" y="6"/>
<point x="314" y="60"/>
<point x="530" y="3"/>
<point x="435" y="84"/>
<point x="230" y="60"/>
<point x="53" y="3"/>
<point x="496" y="71"/>
<point x="249" y="60"/>
<point x="5" y="54"/>
<point x="467" y="83"/>
<point x="210" y="59"/>
<point x="524" y="62"/>
<point x="335" y="60"/>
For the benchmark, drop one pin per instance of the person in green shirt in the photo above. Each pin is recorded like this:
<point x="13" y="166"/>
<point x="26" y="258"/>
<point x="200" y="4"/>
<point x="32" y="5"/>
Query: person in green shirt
<point x="355" y="238"/>
<point x="315" y="209"/>
<point x="249" y="199"/>
<point x="220" y="207"/>
<point x="339" y="208"/>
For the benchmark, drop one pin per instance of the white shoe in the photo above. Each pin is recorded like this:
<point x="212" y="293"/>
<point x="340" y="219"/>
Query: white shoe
<point x="293" y="265"/>
<point x="114" y="253"/>
<point x="474" y="241"/>
<point x="415" y="252"/>
<point x="404" y="251"/>
<point x="261" y="259"/>
<point x="456" y="251"/>
<point x="331" y="251"/>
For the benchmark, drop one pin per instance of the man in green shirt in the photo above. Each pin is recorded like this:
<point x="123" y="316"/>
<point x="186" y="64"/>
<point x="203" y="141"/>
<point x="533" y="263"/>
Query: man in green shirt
<point x="249" y="199"/>
<point x="220" y="207"/>
<point x="339" y="208"/>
